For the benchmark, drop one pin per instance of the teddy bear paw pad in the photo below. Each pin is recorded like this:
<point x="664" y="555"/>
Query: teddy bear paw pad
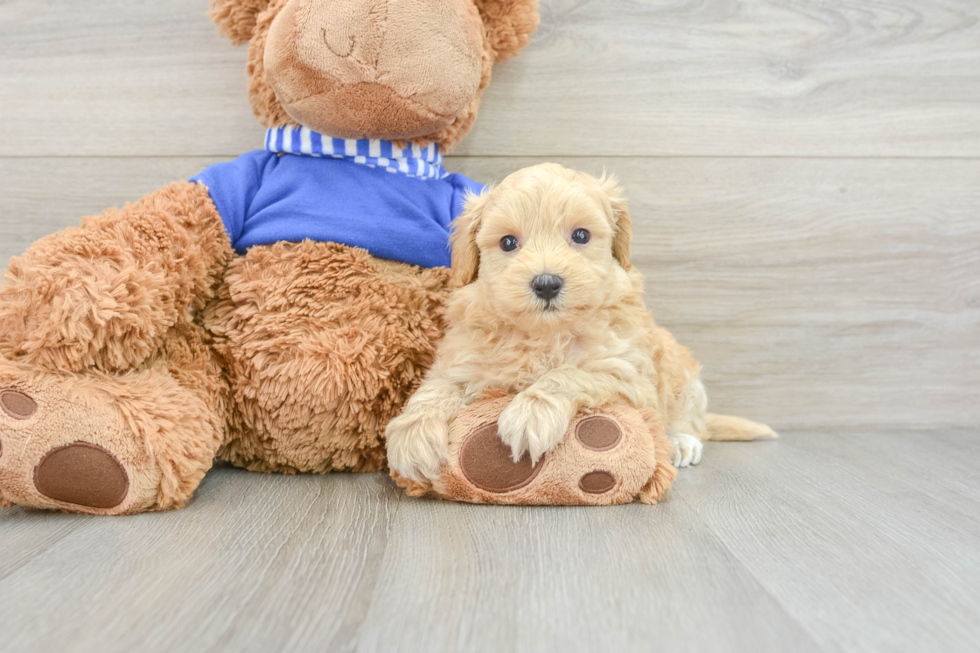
<point x="598" y="433"/>
<point x="17" y="404"/>
<point x="82" y="474"/>
<point x="597" y="482"/>
<point x="486" y="462"/>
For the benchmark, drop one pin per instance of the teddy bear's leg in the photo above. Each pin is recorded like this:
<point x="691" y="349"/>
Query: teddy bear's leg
<point x="103" y="295"/>
<point x="112" y="443"/>
<point x="324" y="344"/>
<point x="110" y="397"/>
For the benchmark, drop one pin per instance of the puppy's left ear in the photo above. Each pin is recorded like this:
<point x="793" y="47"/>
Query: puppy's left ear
<point x="622" y="224"/>
<point x="466" y="255"/>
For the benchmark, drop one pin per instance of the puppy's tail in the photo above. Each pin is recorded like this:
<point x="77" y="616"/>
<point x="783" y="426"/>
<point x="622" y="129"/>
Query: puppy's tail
<point x="727" y="428"/>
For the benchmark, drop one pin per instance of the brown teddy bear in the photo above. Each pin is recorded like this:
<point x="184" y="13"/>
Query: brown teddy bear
<point x="275" y="311"/>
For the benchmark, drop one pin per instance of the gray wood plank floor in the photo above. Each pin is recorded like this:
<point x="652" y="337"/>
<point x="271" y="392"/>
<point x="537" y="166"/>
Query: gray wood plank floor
<point x="822" y="541"/>
<point x="804" y="179"/>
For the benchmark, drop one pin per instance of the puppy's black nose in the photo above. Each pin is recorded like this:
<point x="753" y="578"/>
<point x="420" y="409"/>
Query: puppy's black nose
<point x="546" y="286"/>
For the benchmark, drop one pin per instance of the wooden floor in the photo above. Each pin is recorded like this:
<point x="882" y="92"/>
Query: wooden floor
<point x="804" y="180"/>
<point x="818" y="542"/>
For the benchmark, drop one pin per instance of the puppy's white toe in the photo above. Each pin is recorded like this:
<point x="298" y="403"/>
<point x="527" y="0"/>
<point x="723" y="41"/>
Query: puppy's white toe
<point x="687" y="450"/>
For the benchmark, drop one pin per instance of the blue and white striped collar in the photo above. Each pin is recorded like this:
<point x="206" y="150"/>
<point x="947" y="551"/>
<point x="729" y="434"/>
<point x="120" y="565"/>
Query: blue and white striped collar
<point x="411" y="161"/>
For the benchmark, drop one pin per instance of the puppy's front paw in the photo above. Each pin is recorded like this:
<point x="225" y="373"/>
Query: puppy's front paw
<point x="417" y="444"/>
<point x="687" y="450"/>
<point x="533" y="423"/>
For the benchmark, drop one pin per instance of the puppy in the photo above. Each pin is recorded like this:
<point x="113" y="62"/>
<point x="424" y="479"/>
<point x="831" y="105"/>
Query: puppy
<point x="546" y="306"/>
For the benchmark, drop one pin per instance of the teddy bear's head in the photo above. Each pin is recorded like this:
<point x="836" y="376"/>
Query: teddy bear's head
<point x="408" y="70"/>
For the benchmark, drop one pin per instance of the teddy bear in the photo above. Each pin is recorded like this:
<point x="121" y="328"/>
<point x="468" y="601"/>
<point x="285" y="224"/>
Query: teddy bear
<point x="609" y="455"/>
<point x="274" y="311"/>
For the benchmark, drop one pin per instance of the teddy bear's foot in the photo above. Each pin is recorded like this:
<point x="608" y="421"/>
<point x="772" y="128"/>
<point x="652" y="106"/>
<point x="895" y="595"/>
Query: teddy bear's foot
<point x="64" y="446"/>
<point x="610" y="455"/>
<point x="73" y="443"/>
<point x="487" y="463"/>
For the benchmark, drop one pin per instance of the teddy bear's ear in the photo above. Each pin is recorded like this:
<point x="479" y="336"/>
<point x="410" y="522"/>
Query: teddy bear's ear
<point x="509" y="24"/>
<point x="236" y="18"/>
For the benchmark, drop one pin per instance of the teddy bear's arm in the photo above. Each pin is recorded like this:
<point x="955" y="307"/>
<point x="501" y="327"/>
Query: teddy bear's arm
<point x="103" y="295"/>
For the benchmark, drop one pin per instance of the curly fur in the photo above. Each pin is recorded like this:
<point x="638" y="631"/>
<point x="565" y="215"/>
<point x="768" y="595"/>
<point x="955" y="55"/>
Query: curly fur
<point x="293" y="358"/>
<point x="265" y="105"/>
<point x="509" y="24"/>
<point x="104" y="294"/>
<point x="141" y="332"/>
<point x="236" y="19"/>
<point x="322" y="345"/>
<point x="594" y="344"/>
<point x="163" y="420"/>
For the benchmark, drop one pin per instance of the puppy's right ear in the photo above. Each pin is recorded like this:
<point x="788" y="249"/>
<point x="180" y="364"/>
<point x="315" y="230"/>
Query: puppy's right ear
<point x="236" y="19"/>
<point x="466" y="255"/>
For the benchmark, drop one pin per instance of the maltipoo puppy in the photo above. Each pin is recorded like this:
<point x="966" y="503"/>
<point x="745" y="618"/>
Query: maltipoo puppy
<point x="547" y="307"/>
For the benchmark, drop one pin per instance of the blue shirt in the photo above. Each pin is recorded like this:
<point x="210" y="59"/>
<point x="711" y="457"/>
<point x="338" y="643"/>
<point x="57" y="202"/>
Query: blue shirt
<point x="264" y="197"/>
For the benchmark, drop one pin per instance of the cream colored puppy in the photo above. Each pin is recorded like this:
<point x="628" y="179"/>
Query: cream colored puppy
<point x="547" y="307"/>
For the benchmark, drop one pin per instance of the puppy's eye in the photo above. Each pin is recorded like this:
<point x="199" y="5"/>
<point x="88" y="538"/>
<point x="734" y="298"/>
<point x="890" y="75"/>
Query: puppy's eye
<point x="581" y="236"/>
<point x="508" y="243"/>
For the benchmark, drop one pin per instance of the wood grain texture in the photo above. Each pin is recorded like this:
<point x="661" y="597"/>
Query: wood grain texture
<point x="554" y="579"/>
<point x="804" y="179"/>
<point x="817" y="293"/>
<point x="845" y="535"/>
<point x="768" y="546"/>
<point x="221" y="576"/>
<point x="632" y="77"/>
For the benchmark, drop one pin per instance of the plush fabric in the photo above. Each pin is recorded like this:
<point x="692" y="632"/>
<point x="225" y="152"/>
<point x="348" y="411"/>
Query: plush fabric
<point x="235" y="19"/>
<point x="636" y="466"/>
<point x="322" y="345"/>
<point x="264" y="198"/>
<point x="137" y="347"/>
<point x="372" y="59"/>
<point x="104" y="295"/>
<point x="293" y="358"/>
<point x="507" y="29"/>
<point x="129" y="371"/>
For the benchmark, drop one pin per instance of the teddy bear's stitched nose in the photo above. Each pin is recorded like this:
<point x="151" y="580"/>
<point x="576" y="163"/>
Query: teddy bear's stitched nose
<point x="547" y="286"/>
